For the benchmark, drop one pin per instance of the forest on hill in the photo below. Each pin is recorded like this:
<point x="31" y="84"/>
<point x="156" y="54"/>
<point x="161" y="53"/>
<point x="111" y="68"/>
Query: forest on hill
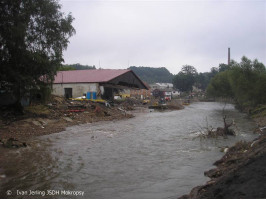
<point x="153" y="75"/>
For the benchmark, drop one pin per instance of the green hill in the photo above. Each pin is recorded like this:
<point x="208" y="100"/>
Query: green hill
<point x="153" y="75"/>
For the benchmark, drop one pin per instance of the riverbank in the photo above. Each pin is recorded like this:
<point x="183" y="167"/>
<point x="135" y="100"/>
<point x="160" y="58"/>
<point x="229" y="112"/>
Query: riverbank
<point x="60" y="113"/>
<point x="55" y="116"/>
<point x="240" y="173"/>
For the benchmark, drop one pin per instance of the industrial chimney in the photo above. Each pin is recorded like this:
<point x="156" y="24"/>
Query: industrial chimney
<point x="228" y="56"/>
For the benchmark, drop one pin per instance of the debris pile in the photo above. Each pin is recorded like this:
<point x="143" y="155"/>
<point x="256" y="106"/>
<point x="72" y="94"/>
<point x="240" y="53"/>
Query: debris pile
<point x="220" y="131"/>
<point x="174" y="104"/>
<point x="129" y="103"/>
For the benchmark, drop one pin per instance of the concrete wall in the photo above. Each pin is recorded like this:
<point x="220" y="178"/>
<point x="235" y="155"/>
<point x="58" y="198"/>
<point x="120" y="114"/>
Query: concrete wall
<point x="78" y="89"/>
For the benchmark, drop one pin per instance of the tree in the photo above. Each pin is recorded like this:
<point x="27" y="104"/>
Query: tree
<point x="33" y="35"/>
<point x="189" y="70"/>
<point x="220" y="86"/>
<point x="185" y="79"/>
<point x="183" y="82"/>
<point x="223" y="67"/>
<point x="202" y="80"/>
<point x="258" y="67"/>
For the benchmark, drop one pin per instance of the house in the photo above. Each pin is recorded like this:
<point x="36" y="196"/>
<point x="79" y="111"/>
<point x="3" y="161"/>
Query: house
<point x="162" y="90"/>
<point x="162" y="86"/>
<point x="99" y="83"/>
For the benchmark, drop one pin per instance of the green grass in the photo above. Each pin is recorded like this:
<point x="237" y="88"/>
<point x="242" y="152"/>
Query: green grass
<point x="259" y="111"/>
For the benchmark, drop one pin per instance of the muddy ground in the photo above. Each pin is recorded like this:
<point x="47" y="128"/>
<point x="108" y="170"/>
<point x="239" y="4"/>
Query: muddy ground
<point x="240" y="173"/>
<point x="55" y="116"/>
<point x="59" y="113"/>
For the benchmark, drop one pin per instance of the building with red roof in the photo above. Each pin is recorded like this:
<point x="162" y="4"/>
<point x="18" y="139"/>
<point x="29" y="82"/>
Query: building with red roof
<point x="102" y="82"/>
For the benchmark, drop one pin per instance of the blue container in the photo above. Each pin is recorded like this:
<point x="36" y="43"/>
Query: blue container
<point x="88" y="95"/>
<point x="94" y="95"/>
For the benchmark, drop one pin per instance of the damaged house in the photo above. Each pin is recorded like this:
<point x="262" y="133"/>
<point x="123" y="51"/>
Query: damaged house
<point x="95" y="84"/>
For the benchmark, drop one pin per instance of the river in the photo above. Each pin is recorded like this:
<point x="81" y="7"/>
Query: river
<point x="153" y="155"/>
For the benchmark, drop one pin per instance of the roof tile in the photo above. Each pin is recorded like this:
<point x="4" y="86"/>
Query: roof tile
<point x="88" y="76"/>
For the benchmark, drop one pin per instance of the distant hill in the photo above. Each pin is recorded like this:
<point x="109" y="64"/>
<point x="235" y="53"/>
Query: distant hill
<point x="75" y="67"/>
<point x="153" y="75"/>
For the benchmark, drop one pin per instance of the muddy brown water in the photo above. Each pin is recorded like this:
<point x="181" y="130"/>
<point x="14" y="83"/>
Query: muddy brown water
<point x="154" y="155"/>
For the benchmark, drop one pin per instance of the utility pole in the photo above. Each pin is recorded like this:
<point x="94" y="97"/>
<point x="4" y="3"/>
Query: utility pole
<point x="229" y="56"/>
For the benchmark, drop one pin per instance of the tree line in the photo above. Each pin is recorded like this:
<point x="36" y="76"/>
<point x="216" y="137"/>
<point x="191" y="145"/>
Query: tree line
<point x="189" y="77"/>
<point x="245" y="82"/>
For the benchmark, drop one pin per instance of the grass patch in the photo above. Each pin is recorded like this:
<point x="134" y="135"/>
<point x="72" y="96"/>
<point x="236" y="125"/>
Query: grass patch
<point x="259" y="111"/>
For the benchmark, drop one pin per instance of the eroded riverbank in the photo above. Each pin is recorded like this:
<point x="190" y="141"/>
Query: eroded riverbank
<point x="55" y="117"/>
<point x="240" y="173"/>
<point x="154" y="155"/>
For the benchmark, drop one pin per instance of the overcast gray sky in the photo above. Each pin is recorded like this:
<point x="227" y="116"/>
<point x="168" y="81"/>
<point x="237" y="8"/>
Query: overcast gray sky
<point x="165" y="33"/>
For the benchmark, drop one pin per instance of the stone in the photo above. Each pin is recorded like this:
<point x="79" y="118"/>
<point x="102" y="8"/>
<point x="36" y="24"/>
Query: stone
<point x="68" y="119"/>
<point x="2" y="176"/>
<point x="37" y="123"/>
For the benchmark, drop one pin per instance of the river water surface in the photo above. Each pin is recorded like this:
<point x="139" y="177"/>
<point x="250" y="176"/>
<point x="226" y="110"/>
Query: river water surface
<point x="153" y="155"/>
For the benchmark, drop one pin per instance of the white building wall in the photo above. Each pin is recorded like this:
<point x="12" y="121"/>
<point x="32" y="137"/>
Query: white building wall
<point x="78" y="89"/>
<point x="163" y="85"/>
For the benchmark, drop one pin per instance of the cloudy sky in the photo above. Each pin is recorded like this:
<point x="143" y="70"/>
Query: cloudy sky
<point x="165" y="33"/>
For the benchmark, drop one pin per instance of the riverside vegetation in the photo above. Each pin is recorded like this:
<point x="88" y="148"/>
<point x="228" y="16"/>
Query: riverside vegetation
<point x="240" y="173"/>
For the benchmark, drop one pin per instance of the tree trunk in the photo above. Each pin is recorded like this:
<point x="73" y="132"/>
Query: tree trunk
<point x="17" y="105"/>
<point x="227" y="131"/>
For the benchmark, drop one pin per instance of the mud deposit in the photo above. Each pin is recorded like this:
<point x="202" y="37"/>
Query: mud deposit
<point x="154" y="155"/>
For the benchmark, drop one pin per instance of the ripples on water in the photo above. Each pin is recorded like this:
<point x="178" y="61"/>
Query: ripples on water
<point x="154" y="155"/>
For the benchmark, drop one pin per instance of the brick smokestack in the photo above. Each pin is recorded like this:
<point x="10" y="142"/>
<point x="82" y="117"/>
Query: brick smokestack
<point x="228" y="56"/>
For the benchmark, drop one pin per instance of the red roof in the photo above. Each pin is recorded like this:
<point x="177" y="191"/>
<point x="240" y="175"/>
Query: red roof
<point x="88" y="76"/>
